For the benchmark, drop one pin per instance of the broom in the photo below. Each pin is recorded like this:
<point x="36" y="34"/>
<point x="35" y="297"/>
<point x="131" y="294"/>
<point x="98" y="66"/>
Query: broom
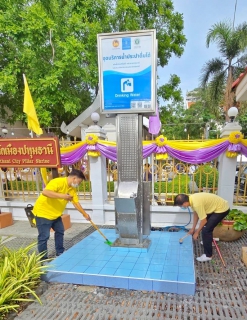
<point x="106" y="240"/>
<point x="94" y="225"/>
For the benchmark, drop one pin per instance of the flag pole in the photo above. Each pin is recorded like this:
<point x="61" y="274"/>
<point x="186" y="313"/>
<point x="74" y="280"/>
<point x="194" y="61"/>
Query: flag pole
<point x="35" y="171"/>
<point x="32" y="122"/>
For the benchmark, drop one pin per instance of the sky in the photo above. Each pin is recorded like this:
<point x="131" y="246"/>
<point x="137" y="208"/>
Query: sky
<point x="199" y="16"/>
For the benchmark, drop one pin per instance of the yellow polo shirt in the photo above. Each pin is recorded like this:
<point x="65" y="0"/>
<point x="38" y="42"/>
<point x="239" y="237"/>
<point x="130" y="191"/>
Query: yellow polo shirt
<point x="204" y="203"/>
<point x="51" y="208"/>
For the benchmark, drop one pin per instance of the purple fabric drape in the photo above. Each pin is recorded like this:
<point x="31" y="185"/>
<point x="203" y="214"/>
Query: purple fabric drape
<point x="234" y="147"/>
<point x="244" y="150"/>
<point x="147" y="150"/>
<point x="154" y="123"/>
<point x="108" y="151"/>
<point x="201" y="155"/>
<point x="74" y="156"/>
<point x="190" y="156"/>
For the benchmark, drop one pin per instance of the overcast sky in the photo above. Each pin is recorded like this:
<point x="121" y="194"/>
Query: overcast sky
<point x="199" y="16"/>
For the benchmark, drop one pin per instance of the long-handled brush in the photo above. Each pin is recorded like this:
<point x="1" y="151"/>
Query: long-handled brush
<point x="182" y="239"/>
<point x="94" y="225"/>
<point x="106" y="240"/>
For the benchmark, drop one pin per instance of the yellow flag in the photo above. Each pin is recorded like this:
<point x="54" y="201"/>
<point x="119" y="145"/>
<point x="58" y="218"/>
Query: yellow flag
<point x="43" y="172"/>
<point x="28" y="108"/>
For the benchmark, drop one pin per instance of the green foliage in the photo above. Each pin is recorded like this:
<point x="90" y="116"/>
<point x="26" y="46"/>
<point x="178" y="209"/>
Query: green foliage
<point x="55" y="44"/>
<point x="242" y="117"/>
<point x="110" y="186"/>
<point x="206" y="176"/>
<point x="171" y="90"/>
<point x="172" y="119"/>
<point x="239" y="218"/>
<point x="219" y="73"/>
<point x="20" y="273"/>
<point x="177" y="185"/>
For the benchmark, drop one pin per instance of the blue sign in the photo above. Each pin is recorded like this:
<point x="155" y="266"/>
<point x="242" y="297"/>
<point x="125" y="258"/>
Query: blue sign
<point x="127" y="72"/>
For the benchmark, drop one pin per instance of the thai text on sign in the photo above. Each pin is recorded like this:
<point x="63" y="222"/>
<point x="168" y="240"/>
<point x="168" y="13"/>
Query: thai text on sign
<point x="40" y="152"/>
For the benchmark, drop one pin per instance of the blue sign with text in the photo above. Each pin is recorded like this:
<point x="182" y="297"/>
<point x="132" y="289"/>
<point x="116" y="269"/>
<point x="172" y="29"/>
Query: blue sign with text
<point x="127" y="73"/>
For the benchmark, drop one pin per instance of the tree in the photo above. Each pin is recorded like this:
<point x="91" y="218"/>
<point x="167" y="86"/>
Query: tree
<point x="218" y="73"/>
<point x="179" y="122"/>
<point x="171" y="90"/>
<point x="54" y="43"/>
<point x="242" y="118"/>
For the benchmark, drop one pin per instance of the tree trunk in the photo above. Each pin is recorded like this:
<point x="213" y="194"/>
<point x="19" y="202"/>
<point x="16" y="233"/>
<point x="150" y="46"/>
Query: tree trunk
<point x="229" y="95"/>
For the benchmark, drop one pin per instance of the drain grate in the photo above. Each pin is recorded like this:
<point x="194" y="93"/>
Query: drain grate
<point x="221" y="294"/>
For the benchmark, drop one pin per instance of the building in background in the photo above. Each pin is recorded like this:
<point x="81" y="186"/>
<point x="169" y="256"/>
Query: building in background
<point x="191" y="98"/>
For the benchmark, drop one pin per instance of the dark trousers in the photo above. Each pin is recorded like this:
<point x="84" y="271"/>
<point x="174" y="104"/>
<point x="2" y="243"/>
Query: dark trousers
<point x="207" y="231"/>
<point x="44" y="226"/>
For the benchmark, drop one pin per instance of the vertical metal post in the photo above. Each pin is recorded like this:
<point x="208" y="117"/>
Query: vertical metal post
<point x="129" y="201"/>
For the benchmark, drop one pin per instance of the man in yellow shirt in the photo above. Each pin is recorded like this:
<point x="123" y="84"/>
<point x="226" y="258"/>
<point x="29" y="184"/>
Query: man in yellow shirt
<point x="210" y="209"/>
<point x="49" y="208"/>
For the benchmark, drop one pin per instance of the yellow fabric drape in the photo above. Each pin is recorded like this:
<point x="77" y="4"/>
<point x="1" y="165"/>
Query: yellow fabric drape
<point x="188" y="145"/>
<point x="73" y="147"/>
<point x="175" y="144"/>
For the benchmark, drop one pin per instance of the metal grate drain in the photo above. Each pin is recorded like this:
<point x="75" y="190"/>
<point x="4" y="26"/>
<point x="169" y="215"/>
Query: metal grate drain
<point x="221" y="295"/>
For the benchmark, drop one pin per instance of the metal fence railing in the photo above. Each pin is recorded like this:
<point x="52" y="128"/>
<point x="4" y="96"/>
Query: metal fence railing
<point x="26" y="184"/>
<point x="240" y="191"/>
<point x="167" y="177"/>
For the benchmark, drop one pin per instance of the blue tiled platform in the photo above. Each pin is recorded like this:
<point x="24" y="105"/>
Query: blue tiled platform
<point x="167" y="266"/>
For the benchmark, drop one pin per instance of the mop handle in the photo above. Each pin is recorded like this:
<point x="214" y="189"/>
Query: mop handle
<point x="187" y="234"/>
<point x="218" y="250"/>
<point x="94" y="225"/>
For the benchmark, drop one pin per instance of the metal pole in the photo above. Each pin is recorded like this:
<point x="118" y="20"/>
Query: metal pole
<point x="36" y="171"/>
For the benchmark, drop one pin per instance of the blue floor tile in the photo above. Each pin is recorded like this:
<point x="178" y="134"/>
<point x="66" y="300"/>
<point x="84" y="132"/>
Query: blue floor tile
<point x="187" y="270"/>
<point x="108" y="271"/>
<point x="122" y="272"/>
<point x="185" y="288"/>
<point x="172" y="276"/>
<point x="142" y="266"/>
<point x="117" y="282"/>
<point x="170" y="268"/>
<point x="117" y="258"/>
<point x="93" y="270"/>
<point x="153" y="274"/>
<point x="166" y="266"/>
<point x="63" y="277"/>
<point x="138" y="274"/>
<point x="127" y="265"/>
<point x="141" y="284"/>
<point x="78" y="269"/>
<point x="155" y="267"/>
<point x="93" y="280"/>
<point x="165" y="286"/>
<point x="130" y="259"/>
<point x="113" y="264"/>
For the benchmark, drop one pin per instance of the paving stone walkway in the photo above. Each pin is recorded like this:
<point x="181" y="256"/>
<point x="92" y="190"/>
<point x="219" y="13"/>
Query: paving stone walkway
<point x="221" y="293"/>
